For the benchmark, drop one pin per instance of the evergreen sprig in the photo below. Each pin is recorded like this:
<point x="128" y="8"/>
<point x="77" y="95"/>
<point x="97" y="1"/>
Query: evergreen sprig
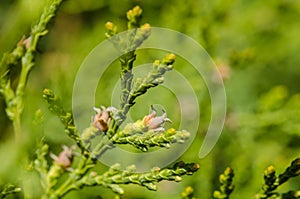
<point x="106" y="124"/>
<point x="154" y="77"/>
<point x="115" y="176"/>
<point x="188" y="193"/>
<point x="66" y="118"/>
<point x="272" y="181"/>
<point x="127" y="44"/>
<point x="24" y="54"/>
<point x="146" y="140"/>
<point x="226" y="186"/>
<point x="41" y="164"/>
<point x="8" y="189"/>
<point x="291" y="195"/>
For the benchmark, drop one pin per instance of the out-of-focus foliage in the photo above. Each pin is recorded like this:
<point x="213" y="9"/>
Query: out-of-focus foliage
<point x="254" y="43"/>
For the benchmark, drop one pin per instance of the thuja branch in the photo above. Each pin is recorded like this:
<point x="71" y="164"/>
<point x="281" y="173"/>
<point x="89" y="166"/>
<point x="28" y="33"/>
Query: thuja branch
<point x="41" y="164"/>
<point x="272" y="182"/>
<point x="133" y="39"/>
<point x="8" y="189"/>
<point x="188" y="193"/>
<point x="66" y="118"/>
<point x="115" y="177"/>
<point x="141" y="85"/>
<point x="149" y="132"/>
<point x="130" y="91"/>
<point x="153" y="139"/>
<point x="23" y="54"/>
<point x="62" y="164"/>
<point x="226" y="186"/>
<point x="154" y="78"/>
<point x="127" y="45"/>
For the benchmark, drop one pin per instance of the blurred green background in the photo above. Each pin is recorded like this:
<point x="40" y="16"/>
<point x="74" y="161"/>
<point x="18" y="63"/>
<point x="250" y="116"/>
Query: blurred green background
<point x="255" y="44"/>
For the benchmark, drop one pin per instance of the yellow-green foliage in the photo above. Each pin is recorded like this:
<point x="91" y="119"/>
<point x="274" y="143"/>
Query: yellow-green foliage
<point x="255" y="44"/>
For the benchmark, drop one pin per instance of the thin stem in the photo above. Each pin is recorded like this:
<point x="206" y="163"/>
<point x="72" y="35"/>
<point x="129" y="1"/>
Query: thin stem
<point x="17" y="127"/>
<point x="19" y="99"/>
<point x="25" y="51"/>
<point x="83" y="167"/>
<point x="126" y="83"/>
<point x="105" y="144"/>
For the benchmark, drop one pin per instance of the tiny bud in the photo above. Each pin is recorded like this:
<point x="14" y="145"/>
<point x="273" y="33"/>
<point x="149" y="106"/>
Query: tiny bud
<point x="270" y="171"/>
<point x="134" y="17"/>
<point x="18" y="189"/>
<point x="146" y="28"/>
<point x="111" y="29"/>
<point x="130" y="15"/>
<point x="115" y="167"/>
<point x="153" y="122"/>
<point x="155" y="169"/>
<point x="27" y="42"/>
<point x="117" y="189"/>
<point x="186" y="134"/>
<point x="156" y="62"/>
<point x="169" y="67"/>
<point x="189" y="189"/>
<point x="195" y="167"/>
<point x="177" y="179"/>
<point x="103" y="117"/>
<point x="171" y="56"/>
<point x="169" y="59"/>
<point x="150" y="186"/>
<point x="297" y="194"/>
<point x="228" y="171"/>
<point x="171" y="131"/>
<point x="109" y="25"/>
<point x="159" y="80"/>
<point x="137" y="10"/>
<point x="217" y="194"/>
<point x="93" y="173"/>
<point x="131" y="168"/>
<point x="65" y="158"/>
<point x="222" y="178"/>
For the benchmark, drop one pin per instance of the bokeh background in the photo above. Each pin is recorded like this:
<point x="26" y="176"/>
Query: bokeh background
<point x="255" y="44"/>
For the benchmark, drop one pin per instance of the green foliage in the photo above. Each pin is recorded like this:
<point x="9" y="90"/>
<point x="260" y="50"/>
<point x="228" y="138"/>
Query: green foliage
<point x="226" y="184"/>
<point x="115" y="176"/>
<point x="55" y="106"/>
<point x="8" y="189"/>
<point x="272" y="182"/>
<point x="188" y="193"/>
<point x="142" y="134"/>
<point x="24" y="53"/>
<point x="255" y="44"/>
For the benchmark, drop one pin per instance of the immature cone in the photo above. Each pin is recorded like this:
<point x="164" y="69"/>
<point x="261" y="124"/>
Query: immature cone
<point x="103" y="117"/>
<point x="109" y="25"/>
<point x="65" y="158"/>
<point x="134" y="14"/>
<point x="188" y="193"/>
<point x="270" y="171"/>
<point x="141" y="35"/>
<point x="169" y="59"/>
<point x="111" y="29"/>
<point x="134" y="17"/>
<point x="154" y="122"/>
<point x="146" y="29"/>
